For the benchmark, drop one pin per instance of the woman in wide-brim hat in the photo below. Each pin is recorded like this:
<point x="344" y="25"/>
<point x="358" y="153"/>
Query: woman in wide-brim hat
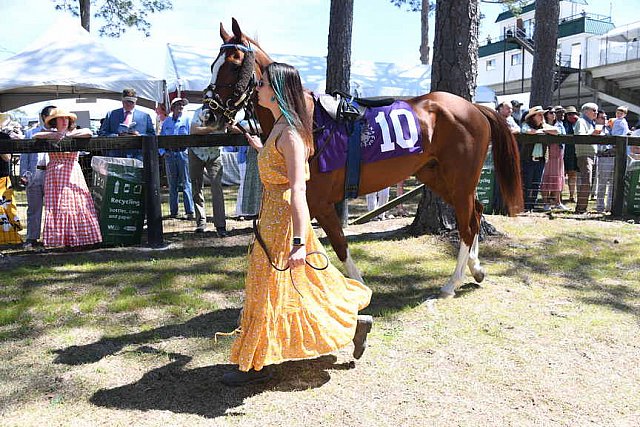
<point x="70" y="219"/>
<point x="533" y="156"/>
<point x="62" y="124"/>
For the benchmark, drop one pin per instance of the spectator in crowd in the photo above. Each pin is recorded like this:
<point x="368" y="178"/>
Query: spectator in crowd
<point x="127" y="121"/>
<point x="70" y="216"/>
<point x="252" y="191"/>
<point x="559" y="123"/>
<point x="585" y="153"/>
<point x="601" y="123"/>
<point x="377" y="199"/>
<point x="620" y="127"/>
<point x="9" y="220"/>
<point x="304" y="312"/>
<point x="241" y="158"/>
<point x="206" y="160"/>
<point x="570" y="159"/>
<point x="606" y="161"/>
<point x="517" y="112"/>
<point x="533" y="156"/>
<point x="400" y="210"/>
<point x="603" y="119"/>
<point x="161" y="116"/>
<point x="505" y="109"/>
<point x="32" y="172"/>
<point x="553" y="175"/>
<point x="177" y="159"/>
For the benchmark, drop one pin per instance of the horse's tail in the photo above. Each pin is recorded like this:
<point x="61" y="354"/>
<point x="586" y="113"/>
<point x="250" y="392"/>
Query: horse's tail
<point x="506" y="160"/>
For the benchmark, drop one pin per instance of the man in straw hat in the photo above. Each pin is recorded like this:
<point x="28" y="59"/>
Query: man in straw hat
<point x="127" y="121"/>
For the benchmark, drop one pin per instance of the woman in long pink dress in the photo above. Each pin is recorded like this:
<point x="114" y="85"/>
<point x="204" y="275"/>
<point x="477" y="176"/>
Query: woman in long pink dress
<point x="553" y="176"/>
<point x="70" y="216"/>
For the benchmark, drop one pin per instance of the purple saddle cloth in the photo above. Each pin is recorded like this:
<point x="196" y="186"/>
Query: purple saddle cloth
<point x="386" y="132"/>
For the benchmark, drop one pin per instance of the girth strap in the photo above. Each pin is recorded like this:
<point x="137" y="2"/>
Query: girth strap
<point x="354" y="157"/>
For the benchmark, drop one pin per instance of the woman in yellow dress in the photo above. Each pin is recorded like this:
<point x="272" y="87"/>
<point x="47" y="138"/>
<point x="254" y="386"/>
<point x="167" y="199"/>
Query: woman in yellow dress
<point x="305" y="310"/>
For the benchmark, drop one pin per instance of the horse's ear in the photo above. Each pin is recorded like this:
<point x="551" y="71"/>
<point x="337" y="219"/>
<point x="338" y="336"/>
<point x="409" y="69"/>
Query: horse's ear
<point x="223" y="34"/>
<point x="236" y="29"/>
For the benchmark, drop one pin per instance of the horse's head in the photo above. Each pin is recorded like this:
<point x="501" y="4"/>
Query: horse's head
<point x="234" y="75"/>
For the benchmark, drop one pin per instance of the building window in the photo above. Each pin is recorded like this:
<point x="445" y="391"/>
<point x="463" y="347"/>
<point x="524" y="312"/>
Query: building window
<point x="516" y="59"/>
<point x="491" y="64"/>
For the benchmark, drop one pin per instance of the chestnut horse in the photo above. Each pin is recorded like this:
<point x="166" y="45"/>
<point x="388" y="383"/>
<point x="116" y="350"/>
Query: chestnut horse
<point x="456" y="135"/>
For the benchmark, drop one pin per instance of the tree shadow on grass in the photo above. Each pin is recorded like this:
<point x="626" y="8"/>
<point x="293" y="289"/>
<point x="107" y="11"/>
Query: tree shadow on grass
<point x="199" y="391"/>
<point x="202" y="326"/>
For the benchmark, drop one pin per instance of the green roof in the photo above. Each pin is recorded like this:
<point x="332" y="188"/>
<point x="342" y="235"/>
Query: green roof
<point x="493" y="48"/>
<point x="508" y="14"/>
<point x="583" y="25"/>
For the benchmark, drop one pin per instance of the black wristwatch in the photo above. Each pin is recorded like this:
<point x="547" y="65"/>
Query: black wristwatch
<point x="297" y="241"/>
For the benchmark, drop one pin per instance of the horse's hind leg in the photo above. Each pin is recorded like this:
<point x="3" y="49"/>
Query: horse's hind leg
<point x="468" y="218"/>
<point x="454" y="282"/>
<point x="330" y="223"/>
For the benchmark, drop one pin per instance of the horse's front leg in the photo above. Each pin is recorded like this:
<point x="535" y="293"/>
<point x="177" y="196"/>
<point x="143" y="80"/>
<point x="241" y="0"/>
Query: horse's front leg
<point x="328" y="219"/>
<point x="474" y="262"/>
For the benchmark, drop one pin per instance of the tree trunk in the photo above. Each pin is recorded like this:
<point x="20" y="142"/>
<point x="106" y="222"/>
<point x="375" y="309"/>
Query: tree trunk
<point x="85" y="14"/>
<point x="339" y="45"/>
<point x="455" y="48"/>
<point x="546" y="45"/>
<point x="339" y="62"/>
<point x="424" y="25"/>
<point x="454" y="69"/>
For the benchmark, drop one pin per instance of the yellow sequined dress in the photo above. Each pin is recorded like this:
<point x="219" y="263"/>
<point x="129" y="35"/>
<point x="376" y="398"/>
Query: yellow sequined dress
<point x="291" y="315"/>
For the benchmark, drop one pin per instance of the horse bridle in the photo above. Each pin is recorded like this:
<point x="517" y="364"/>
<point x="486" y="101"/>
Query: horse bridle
<point x="242" y="96"/>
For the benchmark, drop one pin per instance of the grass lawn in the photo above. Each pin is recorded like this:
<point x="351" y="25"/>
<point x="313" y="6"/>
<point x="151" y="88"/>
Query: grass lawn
<point x="124" y="336"/>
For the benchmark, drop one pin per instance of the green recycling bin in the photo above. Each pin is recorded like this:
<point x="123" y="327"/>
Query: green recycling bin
<point x="118" y="194"/>
<point x="485" y="188"/>
<point x="632" y="188"/>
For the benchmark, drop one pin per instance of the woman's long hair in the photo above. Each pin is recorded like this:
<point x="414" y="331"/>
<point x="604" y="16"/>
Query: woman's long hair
<point x="285" y="82"/>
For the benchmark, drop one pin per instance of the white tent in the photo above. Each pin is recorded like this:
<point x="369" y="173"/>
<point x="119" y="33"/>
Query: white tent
<point x="68" y="62"/>
<point x="188" y="69"/>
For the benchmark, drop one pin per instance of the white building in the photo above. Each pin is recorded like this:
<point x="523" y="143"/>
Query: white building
<point x="596" y="61"/>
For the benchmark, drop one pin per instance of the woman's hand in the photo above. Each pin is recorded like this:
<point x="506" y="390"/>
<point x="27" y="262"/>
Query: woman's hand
<point x="297" y="256"/>
<point x="49" y="135"/>
<point x="253" y="140"/>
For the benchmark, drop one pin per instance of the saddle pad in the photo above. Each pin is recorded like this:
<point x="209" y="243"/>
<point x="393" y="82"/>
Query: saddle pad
<point x="387" y="132"/>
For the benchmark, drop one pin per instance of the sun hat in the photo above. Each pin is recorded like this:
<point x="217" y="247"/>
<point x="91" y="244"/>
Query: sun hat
<point x="535" y="110"/>
<point x="570" y="110"/>
<point x="59" y="112"/>
<point x="623" y="108"/>
<point x="129" y="94"/>
<point x="559" y="108"/>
